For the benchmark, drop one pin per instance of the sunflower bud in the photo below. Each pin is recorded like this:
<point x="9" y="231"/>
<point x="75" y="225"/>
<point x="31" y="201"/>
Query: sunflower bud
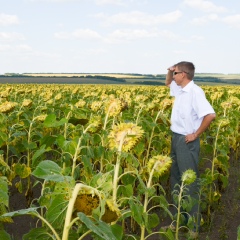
<point x="160" y="164"/>
<point x="188" y="177"/>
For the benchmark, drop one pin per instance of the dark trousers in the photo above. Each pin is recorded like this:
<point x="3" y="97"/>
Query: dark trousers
<point x="185" y="156"/>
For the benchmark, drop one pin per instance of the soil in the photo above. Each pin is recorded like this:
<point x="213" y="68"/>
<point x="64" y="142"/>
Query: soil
<point x="225" y="220"/>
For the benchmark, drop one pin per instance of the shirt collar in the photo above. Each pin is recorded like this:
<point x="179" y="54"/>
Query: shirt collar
<point x="188" y="87"/>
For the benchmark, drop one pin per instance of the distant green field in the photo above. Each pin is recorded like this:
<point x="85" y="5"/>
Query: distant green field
<point x="114" y="78"/>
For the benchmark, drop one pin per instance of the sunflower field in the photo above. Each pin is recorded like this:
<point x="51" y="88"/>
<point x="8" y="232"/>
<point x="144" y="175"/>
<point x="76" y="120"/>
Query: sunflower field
<point x="101" y="156"/>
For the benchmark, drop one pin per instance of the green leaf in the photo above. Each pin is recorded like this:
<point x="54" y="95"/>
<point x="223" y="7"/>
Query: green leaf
<point x="100" y="228"/>
<point x="67" y="146"/>
<point x="153" y="221"/>
<point x="37" y="234"/>
<point x="57" y="211"/>
<point x="137" y="212"/>
<point x="50" y="121"/>
<point x="22" y="170"/>
<point x="29" y="211"/>
<point x="48" y="140"/>
<point x="4" y="235"/>
<point x="50" y="171"/>
<point x="126" y="190"/>
<point x="29" y="146"/>
<point x="117" y="231"/>
<point x="4" y="198"/>
<point x="238" y="232"/>
<point x="128" y="179"/>
<point x="38" y="153"/>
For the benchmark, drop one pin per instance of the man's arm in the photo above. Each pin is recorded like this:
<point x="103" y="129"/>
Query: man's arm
<point x="169" y="76"/>
<point x="204" y="125"/>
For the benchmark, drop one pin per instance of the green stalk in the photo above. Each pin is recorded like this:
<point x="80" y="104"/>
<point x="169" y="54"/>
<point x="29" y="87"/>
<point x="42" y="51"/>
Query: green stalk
<point x="212" y="171"/>
<point x="50" y="226"/>
<point x="70" y="208"/>
<point x="179" y="210"/>
<point x="146" y="199"/>
<point x="68" y="223"/>
<point x="151" y="136"/>
<point x="116" y="169"/>
<point x="140" y="110"/>
<point x="78" y="149"/>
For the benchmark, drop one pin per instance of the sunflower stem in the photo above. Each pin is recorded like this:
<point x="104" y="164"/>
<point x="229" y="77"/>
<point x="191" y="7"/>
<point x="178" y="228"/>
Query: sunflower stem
<point x="146" y="199"/>
<point x="116" y="169"/>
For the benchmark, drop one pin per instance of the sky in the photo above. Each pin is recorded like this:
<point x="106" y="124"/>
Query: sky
<point x="119" y="36"/>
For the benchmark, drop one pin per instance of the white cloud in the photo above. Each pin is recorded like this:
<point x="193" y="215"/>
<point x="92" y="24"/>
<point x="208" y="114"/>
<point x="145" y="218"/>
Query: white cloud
<point x="86" y="34"/>
<point x="233" y="21"/>
<point x="5" y="47"/>
<point x="15" y="48"/>
<point x="169" y="35"/>
<point x="56" y="1"/>
<point x="114" y="2"/>
<point x="62" y="35"/>
<point x="205" y="6"/>
<point x="205" y="19"/>
<point x="140" y="18"/>
<point x="5" y="36"/>
<point x="179" y="52"/>
<point x="197" y="38"/>
<point x="6" y="20"/>
<point x="122" y="35"/>
<point x="23" y="48"/>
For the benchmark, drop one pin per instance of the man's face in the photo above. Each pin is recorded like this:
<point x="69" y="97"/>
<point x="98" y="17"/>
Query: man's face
<point x="178" y="76"/>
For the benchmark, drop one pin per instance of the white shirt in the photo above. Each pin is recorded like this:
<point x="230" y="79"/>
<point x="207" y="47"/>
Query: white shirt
<point x="190" y="107"/>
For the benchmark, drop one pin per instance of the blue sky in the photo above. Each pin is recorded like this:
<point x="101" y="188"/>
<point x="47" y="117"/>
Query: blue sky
<point x="118" y="36"/>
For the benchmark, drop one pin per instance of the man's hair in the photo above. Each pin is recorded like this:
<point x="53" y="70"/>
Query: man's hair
<point x="187" y="67"/>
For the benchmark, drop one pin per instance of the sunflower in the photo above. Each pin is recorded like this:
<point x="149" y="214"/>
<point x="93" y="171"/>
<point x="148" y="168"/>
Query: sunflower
<point x="112" y="212"/>
<point x="40" y="118"/>
<point x="166" y="103"/>
<point x="114" y="106"/>
<point x="96" y="105"/>
<point x="160" y="163"/>
<point x="81" y="103"/>
<point x="58" y="96"/>
<point x="86" y="203"/>
<point x="124" y="136"/>
<point x="188" y="177"/>
<point x="27" y="103"/>
<point x="95" y="124"/>
<point x="7" y="107"/>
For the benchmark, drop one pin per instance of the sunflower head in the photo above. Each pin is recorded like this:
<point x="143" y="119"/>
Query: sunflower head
<point x="81" y="103"/>
<point x="58" y="96"/>
<point x="7" y="107"/>
<point x="112" y="212"/>
<point x="96" y="105"/>
<point x="166" y="103"/>
<point x="124" y="136"/>
<point x="188" y="177"/>
<point x="114" y="106"/>
<point x="160" y="164"/>
<point x="95" y="124"/>
<point x="40" y="118"/>
<point x="86" y="203"/>
<point x="27" y="103"/>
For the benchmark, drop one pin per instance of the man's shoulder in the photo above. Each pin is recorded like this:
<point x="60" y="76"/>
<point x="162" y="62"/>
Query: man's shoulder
<point x="196" y="88"/>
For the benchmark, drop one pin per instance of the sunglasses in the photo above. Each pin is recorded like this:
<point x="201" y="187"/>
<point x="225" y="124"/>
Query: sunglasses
<point x="175" y="73"/>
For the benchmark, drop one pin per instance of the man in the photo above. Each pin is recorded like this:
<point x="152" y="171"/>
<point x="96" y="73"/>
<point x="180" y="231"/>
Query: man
<point x="191" y="116"/>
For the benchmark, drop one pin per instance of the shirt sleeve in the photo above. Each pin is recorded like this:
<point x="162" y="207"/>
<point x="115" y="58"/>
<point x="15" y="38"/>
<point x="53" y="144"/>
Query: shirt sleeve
<point x="200" y="104"/>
